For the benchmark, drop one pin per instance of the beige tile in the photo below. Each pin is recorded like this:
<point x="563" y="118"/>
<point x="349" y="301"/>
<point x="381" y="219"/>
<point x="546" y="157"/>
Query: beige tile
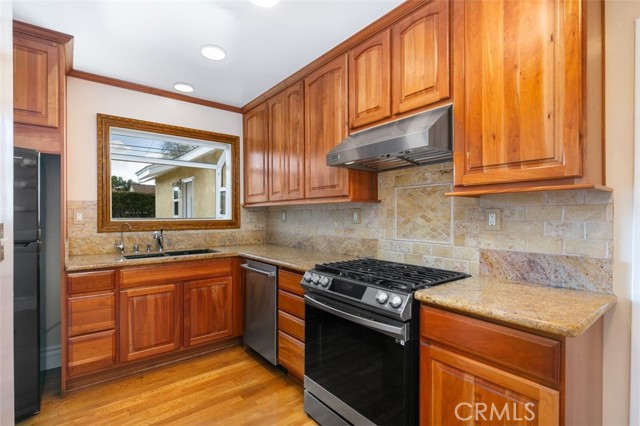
<point x="544" y="245"/>
<point x="526" y="229"/>
<point x="599" y="197"/>
<point x="564" y="197"/>
<point x="456" y="265"/>
<point x="544" y="213"/>
<point x="526" y="199"/>
<point x="440" y="250"/>
<point x="591" y="248"/>
<point x="573" y="230"/>
<point x="600" y="231"/>
<point x="584" y="213"/>
<point x="609" y="213"/>
<point x="474" y="268"/>
<point x="514" y="214"/>
<point x="390" y="256"/>
<point x="467" y="253"/>
<point x="412" y="259"/>
<point x="420" y="248"/>
<point x="423" y="214"/>
<point x="498" y="242"/>
<point x="433" y="262"/>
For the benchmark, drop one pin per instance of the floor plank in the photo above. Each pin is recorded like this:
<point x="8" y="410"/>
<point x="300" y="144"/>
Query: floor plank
<point x="229" y="387"/>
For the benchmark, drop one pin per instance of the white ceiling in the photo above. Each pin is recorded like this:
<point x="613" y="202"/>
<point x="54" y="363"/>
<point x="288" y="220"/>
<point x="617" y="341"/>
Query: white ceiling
<point x="157" y="43"/>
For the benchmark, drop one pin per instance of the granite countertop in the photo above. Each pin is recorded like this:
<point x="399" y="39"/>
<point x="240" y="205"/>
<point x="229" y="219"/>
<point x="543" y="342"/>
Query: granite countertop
<point x="553" y="310"/>
<point x="557" y="311"/>
<point x="286" y="257"/>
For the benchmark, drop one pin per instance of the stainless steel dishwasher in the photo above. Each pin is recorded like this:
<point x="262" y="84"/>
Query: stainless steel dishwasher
<point x="260" y="308"/>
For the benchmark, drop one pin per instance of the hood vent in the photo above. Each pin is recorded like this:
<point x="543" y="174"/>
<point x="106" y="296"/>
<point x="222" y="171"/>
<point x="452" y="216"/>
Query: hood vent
<point x="421" y="139"/>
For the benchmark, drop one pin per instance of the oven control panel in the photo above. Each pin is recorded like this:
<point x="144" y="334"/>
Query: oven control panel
<point x="377" y="298"/>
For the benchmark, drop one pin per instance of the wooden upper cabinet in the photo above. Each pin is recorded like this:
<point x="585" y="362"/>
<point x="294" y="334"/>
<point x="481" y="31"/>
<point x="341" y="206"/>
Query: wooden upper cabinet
<point x="520" y="101"/>
<point x="370" y="80"/>
<point x="150" y="321"/>
<point x="35" y="83"/>
<point x="325" y="93"/>
<point x="208" y="312"/>
<point x="41" y="59"/>
<point x="286" y="144"/>
<point x="452" y="385"/>
<point x="256" y="145"/>
<point x="420" y="61"/>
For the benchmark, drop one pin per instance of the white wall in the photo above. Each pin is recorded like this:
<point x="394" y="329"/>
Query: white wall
<point x="6" y="213"/>
<point x="86" y="99"/>
<point x="619" y="46"/>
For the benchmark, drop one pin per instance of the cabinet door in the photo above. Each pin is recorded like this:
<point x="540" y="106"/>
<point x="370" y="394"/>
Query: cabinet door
<point x="518" y="116"/>
<point x="294" y="136"/>
<point x="456" y="390"/>
<point x="91" y="353"/>
<point x="35" y="82"/>
<point x="149" y="321"/>
<point x="277" y="149"/>
<point x="207" y="310"/>
<point x="325" y="94"/>
<point x="370" y="80"/>
<point x="421" y="57"/>
<point x="256" y="143"/>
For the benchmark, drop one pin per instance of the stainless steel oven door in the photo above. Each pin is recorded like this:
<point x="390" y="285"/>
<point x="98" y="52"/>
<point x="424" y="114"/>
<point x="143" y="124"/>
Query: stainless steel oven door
<point x="359" y="364"/>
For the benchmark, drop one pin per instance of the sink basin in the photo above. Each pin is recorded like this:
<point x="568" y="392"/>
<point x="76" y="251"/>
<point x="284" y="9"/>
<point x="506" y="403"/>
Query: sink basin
<point x="188" y="252"/>
<point x="143" y="255"/>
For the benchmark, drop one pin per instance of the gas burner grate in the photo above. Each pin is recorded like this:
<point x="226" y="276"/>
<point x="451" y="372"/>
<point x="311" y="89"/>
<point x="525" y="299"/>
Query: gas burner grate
<point x="399" y="276"/>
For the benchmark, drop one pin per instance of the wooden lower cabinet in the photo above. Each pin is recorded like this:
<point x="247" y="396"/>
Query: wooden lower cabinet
<point x="149" y="321"/>
<point x="291" y="323"/>
<point x="461" y="391"/>
<point x="91" y="353"/>
<point x="476" y="372"/>
<point x="207" y="310"/>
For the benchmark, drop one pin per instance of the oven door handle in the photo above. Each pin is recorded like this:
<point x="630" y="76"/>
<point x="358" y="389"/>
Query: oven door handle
<point x="401" y="333"/>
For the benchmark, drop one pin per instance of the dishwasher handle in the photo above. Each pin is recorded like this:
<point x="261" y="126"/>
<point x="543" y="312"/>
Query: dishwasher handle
<point x="258" y="271"/>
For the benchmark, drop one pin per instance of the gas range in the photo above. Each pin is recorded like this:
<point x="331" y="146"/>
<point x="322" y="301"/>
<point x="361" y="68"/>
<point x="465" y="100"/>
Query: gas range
<point x="382" y="286"/>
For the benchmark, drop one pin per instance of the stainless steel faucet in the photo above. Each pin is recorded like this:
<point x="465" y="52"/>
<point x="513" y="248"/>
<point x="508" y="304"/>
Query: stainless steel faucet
<point x="158" y="236"/>
<point x="120" y="244"/>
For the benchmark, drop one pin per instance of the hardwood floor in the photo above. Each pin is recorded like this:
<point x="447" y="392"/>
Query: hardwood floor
<point x="229" y="387"/>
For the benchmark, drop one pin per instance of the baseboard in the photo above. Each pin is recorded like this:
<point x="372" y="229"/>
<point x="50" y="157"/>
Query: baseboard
<point x="50" y="357"/>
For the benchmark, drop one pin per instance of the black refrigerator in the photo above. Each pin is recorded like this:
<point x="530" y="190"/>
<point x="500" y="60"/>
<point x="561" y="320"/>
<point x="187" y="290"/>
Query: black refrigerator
<point x="26" y="311"/>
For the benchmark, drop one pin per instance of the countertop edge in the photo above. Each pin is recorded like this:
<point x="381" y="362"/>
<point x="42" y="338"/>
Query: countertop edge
<point x="575" y="330"/>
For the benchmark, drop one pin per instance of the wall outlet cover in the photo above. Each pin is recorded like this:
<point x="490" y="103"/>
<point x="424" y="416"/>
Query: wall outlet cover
<point x="493" y="220"/>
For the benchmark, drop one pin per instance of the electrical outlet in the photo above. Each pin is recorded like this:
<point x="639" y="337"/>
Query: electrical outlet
<point x="284" y="215"/>
<point x="494" y="221"/>
<point x="79" y="216"/>
<point x="356" y="215"/>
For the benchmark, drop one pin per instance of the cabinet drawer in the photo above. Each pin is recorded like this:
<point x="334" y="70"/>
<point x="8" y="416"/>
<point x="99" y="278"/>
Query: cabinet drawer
<point x="290" y="282"/>
<point x="533" y="356"/>
<point x="91" y="314"/>
<point x="291" y="303"/>
<point x="291" y="325"/>
<point x="91" y="282"/>
<point x="91" y="353"/>
<point x="174" y="272"/>
<point x="291" y="354"/>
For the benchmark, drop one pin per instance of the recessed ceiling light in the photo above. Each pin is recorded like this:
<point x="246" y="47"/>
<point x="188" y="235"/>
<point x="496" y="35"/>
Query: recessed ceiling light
<point x="183" y="87"/>
<point x="215" y="53"/>
<point x="265" y="3"/>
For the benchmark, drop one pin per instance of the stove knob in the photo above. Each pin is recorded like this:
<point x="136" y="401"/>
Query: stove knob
<point x="315" y="278"/>
<point x="307" y="276"/>
<point x="395" y="301"/>
<point x="382" y="297"/>
<point x="324" y="281"/>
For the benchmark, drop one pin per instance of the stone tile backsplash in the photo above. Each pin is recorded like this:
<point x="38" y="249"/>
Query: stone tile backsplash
<point x="84" y="238"/>
<point x="561" y="238"/>
<point x="562" y="231"/>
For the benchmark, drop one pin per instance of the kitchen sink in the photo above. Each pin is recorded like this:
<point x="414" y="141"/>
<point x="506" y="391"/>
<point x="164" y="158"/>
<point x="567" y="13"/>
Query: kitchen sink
<point x="186" y="252"/>
<point x="143" y="255"/>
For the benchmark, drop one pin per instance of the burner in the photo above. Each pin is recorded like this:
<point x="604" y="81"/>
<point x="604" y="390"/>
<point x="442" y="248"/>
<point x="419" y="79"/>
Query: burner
<point x="392" y="275"/>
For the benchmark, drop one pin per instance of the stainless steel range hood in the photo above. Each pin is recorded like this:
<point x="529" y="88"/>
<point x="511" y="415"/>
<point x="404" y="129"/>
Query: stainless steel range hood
<point x="425" y="138"/>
